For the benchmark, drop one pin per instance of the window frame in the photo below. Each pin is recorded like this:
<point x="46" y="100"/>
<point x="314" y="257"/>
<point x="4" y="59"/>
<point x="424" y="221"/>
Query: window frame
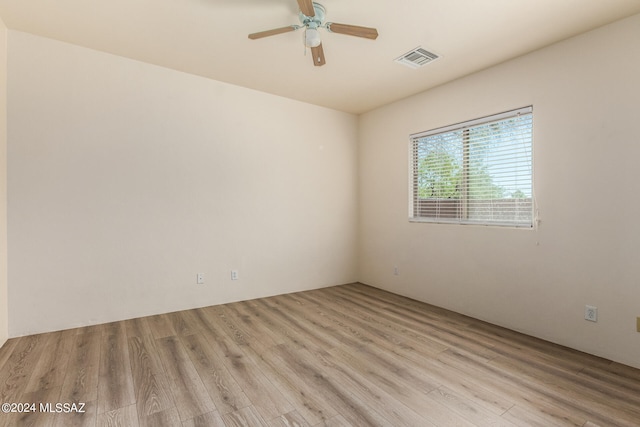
<point x="464" y="201"/>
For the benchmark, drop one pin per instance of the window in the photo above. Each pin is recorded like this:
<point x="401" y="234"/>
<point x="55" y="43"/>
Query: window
<point x="477" y="172"/>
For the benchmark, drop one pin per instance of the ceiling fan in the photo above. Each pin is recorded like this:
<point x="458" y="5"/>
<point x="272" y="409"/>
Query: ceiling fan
<point x="312" y="17"/>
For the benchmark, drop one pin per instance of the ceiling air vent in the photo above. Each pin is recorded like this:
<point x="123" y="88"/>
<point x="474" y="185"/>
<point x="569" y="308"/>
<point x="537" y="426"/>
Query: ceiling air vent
<point x="417" y="57"/>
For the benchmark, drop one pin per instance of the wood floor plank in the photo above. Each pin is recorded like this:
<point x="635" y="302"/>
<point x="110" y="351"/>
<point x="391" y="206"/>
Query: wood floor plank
<point x="90" y="329"/>
<point x="114" y="328"/>
<point x="449" y="331"/>
<point x="388" y="389"/>
<point x="88" y="418"/>
<point x="595" y="388"/>
<point x="189" y="393"/>
<point x="469" y="387"/>
<point x="7" y="350"/>
<point x="150" y="383"/>
<point x="383" y="300"/>
<point x="337" y="421"/>
<point x="420" y="357"/>
<point x="292" y="419"/>
<point x="381" y="340"/>
<point x="36" y="417"/>
<point x="412" y="346"/>
<point x="138" y="327"/>
<point x="369" y="393"/>
<point x="249" y="319"/>
<point x="166" y="418"/>
<point x="487" y="399"/>
<point x="51" y="367"/>
<point x="291" y="327"/>
<point x="397" y="338"/>
<point x="588" y="401"/>
<point x="245" y="417"/>
<point x="161" y="326"/>
<point x="144" y="357"/>
<point x="211" y="419"/>
<point x="16" y="372"/>
<point x="509" y="384"/>
<point x="233" y="327"/>
<point x="182" y="322"/>
<point x="121" y="417"/>
<point x="223" y="389"/>
<point x="468" y="409"/>
<point x="330" y="390"/>
<point x="319" y="331"/>
<point x="377" y="362"/>
<point x="510" y="343"/>
<point x="115" y="383"/>
<point x="268" y="400"/>
<point x="311" y="405"/>
<point x="607" y="379"/>
<point x="470" y="358"/>
<point x="81" y="380"/>
<point x="524" y="417"/>
<point x="298" y="382"/>
<point x="621" y="370"/>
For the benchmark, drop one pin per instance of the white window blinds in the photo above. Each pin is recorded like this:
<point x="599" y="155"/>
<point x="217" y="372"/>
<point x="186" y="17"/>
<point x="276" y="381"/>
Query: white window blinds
<point x="477" y="172"/>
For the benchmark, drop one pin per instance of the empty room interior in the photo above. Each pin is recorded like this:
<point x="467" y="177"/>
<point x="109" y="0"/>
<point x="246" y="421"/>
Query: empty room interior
<point x="218" y="213"/>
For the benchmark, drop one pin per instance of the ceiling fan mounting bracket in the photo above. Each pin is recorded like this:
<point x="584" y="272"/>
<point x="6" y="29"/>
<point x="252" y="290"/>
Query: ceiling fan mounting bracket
<point x="316" y="20"/>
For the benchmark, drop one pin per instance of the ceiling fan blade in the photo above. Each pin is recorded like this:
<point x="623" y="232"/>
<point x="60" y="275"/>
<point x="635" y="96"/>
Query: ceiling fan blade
<point x="318" y="55"/>
<point x="306" y="7"/>
<point x="353" y="30"/>
<point x="273" y="32"/>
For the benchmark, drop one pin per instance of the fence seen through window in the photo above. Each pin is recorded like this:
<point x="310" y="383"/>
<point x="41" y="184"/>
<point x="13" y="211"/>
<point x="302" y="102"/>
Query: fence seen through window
<point x="477" y="172"/>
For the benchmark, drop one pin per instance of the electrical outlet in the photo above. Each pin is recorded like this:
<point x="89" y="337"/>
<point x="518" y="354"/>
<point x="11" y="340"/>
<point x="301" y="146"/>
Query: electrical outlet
<point x="590" y="313"/>
<point x="200" y="278"/>
<point x="234" y="274"/>
<point x="396" y="272"/>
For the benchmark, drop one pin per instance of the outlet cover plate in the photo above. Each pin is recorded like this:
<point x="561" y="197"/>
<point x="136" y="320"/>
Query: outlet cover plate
<point x="590" y="313"/>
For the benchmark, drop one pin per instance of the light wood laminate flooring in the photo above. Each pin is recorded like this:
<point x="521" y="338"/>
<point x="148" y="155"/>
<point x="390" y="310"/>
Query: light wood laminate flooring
<point x="348" y="355"/>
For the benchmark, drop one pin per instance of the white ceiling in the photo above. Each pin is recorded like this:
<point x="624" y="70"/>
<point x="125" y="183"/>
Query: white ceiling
<point x="209" y="38"/>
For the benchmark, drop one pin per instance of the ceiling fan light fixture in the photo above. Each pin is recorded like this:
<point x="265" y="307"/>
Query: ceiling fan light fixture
<point x="312" y="37"/>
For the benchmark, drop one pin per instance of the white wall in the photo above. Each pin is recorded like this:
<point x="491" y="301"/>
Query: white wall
<point x="585" y="94"/>
<point x="126" y="179"/>
<point x="4" y="303"/>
